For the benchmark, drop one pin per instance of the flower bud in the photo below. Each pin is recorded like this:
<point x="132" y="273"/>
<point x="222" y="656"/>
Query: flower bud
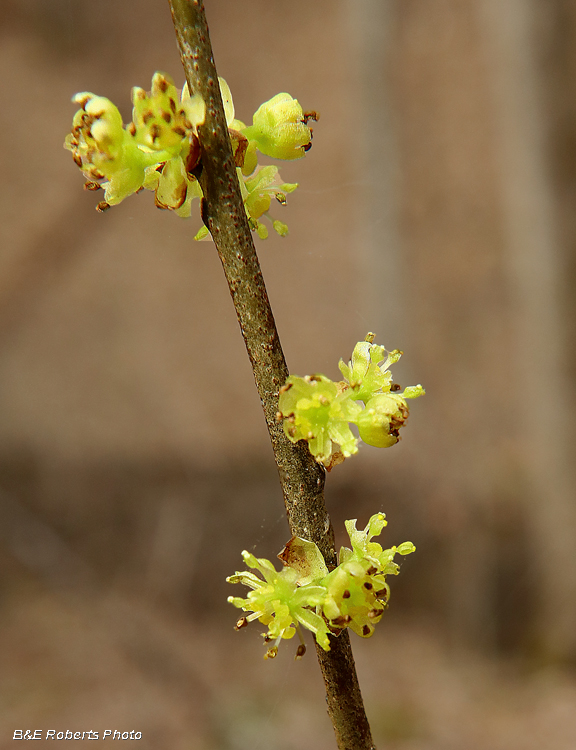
<point x="279" y="128"/>
<point x="380" y="421"/>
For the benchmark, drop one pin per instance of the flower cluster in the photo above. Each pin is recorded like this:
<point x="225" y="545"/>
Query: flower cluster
<point x="160" y="150"/>
<point x="354" y="594"/>
<point x="320" y="411"/>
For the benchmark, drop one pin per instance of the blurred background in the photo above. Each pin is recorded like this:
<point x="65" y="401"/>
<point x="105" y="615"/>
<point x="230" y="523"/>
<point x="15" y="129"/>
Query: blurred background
<point x="435" y="208"/>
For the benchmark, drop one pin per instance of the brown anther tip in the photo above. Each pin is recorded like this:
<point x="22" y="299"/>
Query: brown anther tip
<point x="285" y="388"/>
<point x="366" y="630"/>
<point x="77" y="160"/>
<point x="155" y="131"/>
<point x="131" y="128"/>
<point x="395" y="387"/>
<point x="279" y="416"/>
<point x="310" y="115"/>
<point x="346" y="594"/>
<point x="179" y="130"/>
<point x="163" y="85"/>
<point x="241" y="623"/>
<point x="147" y="116"/>
<point x="341" y="621"/>
<point x="300" y="651"/>
<point x="308" y="146"/>
<point x="271" y="653"/>
<point x="368" y="586"/>
<point x="172" y="105"/>
<point x="102" y="206"/>
<point x="92" y="186"/>
<point x="371" y="570"/>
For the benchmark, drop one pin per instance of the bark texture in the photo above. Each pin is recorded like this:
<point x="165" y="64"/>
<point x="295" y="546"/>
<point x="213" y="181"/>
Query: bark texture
<point x="302" y="479"/>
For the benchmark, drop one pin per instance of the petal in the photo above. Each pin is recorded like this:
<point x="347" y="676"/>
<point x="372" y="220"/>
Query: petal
<point x="172" y="185"/>
<point x="227" y="101"/>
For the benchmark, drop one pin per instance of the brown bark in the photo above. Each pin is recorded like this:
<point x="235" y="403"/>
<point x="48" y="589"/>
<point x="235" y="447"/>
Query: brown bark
<point x="302" y="479"/>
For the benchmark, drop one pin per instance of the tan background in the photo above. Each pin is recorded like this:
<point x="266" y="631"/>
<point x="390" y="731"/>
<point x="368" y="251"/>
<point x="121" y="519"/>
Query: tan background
<point x="436" y="208"/>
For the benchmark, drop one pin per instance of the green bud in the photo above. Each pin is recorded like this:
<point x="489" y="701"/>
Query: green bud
<point x="279" y="128"/>
<point x="380" y="422"/>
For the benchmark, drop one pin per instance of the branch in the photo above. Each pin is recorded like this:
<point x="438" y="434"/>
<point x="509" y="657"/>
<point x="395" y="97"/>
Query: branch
<point x="301" y="478"/>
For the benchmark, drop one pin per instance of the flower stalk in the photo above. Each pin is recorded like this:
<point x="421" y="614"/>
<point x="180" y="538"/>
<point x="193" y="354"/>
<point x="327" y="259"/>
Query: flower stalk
<point x="301" y="477"/>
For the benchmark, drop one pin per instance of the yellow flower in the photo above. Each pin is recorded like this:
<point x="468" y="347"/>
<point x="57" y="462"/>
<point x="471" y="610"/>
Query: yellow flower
<point x="280" y="128"/>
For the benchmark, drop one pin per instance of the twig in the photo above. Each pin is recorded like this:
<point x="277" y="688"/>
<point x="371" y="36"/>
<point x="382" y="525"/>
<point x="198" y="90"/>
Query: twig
<point x="302" y="479"/>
